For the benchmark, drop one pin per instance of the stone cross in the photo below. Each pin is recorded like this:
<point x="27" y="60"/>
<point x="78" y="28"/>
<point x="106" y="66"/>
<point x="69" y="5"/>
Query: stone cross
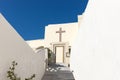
<point x="60" y="34"/>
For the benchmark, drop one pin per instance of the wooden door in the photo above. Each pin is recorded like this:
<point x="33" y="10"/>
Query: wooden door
<point x="59" y="50"/>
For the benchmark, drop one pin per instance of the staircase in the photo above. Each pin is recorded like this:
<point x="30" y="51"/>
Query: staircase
<point x="58" y="72"/>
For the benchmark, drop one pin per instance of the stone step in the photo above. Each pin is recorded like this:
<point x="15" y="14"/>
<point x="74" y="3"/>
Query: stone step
<point x="56" y="72"/>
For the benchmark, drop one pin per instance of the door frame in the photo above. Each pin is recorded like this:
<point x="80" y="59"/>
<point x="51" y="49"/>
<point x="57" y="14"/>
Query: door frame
<point x="59" y="44"/>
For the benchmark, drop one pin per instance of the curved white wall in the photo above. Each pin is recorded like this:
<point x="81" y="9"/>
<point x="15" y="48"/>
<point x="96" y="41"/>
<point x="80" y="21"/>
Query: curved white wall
<point x="13" y="47"/>
<point x="34" y="44"/>
<point x="96" y="52"/>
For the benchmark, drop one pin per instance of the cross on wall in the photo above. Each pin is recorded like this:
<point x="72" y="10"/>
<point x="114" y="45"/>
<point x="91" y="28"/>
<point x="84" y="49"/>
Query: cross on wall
<point x="60" y="34"/>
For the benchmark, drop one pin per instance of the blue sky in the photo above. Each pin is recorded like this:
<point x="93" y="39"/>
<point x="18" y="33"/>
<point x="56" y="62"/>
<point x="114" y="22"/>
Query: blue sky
<point x="29" y="17"/>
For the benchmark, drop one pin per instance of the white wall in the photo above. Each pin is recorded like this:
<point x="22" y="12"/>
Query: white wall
<point x="80" y="18"/>
<point x="13" y="47"/>
<point x="44" y="56"/>
<point x="96" y="52"/>
<point x="36" y="43"/>
<point x="68" y="36"/>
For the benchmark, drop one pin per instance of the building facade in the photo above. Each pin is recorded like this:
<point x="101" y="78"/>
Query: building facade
<point x="59" y="39"/>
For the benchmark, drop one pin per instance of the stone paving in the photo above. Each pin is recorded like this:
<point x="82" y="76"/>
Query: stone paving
<point x="58" y="72"/>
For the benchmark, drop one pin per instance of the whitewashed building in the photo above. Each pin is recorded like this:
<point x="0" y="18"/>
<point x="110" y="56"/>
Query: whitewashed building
<point x="96" y="52"/>
<point x="58" y="38"/>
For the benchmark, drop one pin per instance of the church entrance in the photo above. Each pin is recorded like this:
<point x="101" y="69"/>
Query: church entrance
<point x="59" y="50"/>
